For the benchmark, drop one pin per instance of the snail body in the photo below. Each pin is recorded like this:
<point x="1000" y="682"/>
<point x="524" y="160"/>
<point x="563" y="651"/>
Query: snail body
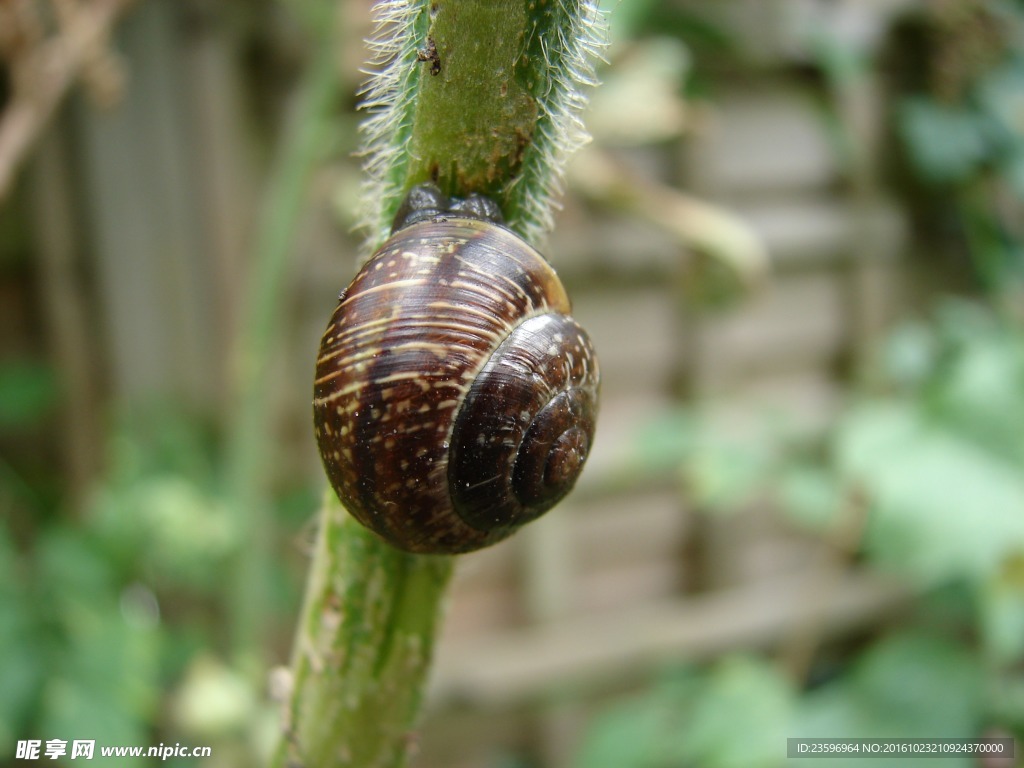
<point x="455" y="397"/>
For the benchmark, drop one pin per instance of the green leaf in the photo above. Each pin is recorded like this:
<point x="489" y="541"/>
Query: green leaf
<point x="1001" y="95"/>
<point x="28" y="392"/>
<point x="187" y="532"/>
<point x="742" y="718"/>
<point x="942" y="506"/>
<point x="628" y="736"/>
<point x="101" y="677"/>
<point x="909" y="685"/>
<point x="723" y="474"/>
<point x="22" y="652"/>
<point x="961" y="322"/>
<point x="73" y="574"/>
<point x="105" y="685"/>
<point x="1013" y="170"/>
<point x="918" y="684"/>
<point x="945" y="144"/>
<point x="982" y="393"/>
<point x="1008" y="700"/>
<point x="909" y="355"/>
<point x="665" y="443"/>
<point x="694" y="720"/>
<point x="810" y="496"/>
<point x="1001" y="608"/>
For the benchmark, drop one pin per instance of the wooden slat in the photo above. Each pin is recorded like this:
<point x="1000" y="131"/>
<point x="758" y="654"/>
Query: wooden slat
<point x="505" y="669"/>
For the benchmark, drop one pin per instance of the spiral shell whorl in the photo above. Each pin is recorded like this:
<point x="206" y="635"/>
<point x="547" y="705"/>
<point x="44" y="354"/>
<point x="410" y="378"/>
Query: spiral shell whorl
<point x="451" y="335"/>
<point x="511" y="464"/>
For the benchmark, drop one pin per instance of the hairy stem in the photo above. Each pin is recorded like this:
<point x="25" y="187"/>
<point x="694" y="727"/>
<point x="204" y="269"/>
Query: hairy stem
<point x="363" y="649"/>
<point x="479" y="97"/>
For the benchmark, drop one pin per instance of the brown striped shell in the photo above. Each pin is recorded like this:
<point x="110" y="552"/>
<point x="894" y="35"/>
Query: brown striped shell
<point x="455" y="398"/>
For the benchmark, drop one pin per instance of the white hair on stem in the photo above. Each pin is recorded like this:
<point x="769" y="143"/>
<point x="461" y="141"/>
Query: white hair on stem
<point x="387" y="97"/>
<point x="569" y="49"/>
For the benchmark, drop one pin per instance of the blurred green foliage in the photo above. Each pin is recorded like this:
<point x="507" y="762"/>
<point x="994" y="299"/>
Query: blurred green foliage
<point x="951" y="143"/>
<point x="933" y="451"/>
<point x="963" y="133"/>
<point x="740" y="711"/>
<point x="694" y="718"/>
<point x="942" y="461"/>
<point x="28" y="391"/>
<point x="929" y="453"/>
<point x="112" y="625"/>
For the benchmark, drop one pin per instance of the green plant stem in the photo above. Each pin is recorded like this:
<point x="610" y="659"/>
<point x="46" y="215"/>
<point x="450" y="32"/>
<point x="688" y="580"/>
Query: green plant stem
<point x="495" y="112"/>
<point x="478" y="67"/>
<point x="494" y="108"/>
<point x="248" y="445"/>
<point x="364" y="647"/>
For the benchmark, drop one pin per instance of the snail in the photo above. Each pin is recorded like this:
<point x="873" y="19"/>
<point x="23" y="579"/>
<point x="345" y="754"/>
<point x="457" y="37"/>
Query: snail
<point x="455" y="398"/>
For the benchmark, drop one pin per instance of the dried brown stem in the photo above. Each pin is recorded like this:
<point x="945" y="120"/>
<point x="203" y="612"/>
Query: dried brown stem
<point x="696" y="224"/>
<point x="837" y="551"/>
<point x="43" y="71"/>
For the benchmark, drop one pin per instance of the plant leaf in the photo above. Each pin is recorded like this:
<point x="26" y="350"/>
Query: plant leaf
<point x="942" y="506"/>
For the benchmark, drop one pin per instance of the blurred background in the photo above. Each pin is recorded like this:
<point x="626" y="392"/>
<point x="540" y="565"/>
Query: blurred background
<point x="796" y="240"/>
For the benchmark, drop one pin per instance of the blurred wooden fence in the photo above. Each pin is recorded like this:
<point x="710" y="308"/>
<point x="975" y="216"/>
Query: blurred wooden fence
<point x="612" y="585"/>
<point x="155" y="202"/>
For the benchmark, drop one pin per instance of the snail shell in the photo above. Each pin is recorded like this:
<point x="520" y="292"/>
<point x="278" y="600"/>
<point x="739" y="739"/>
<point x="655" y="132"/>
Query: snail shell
<point x="455" y="398"/>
